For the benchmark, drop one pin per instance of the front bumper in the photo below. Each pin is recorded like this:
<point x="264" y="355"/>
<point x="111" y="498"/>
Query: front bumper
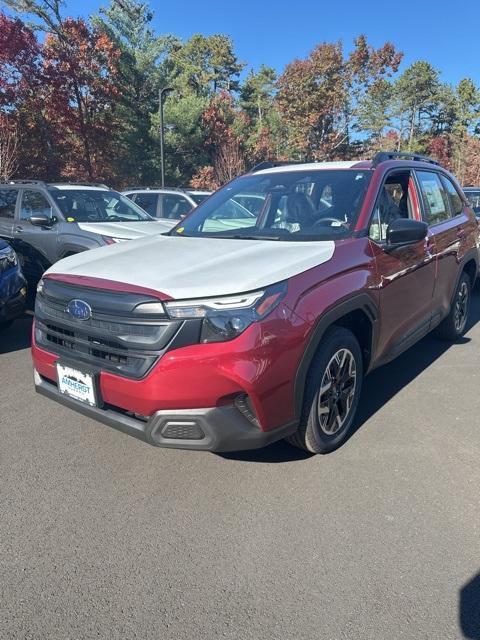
<point x="222" y="428"/>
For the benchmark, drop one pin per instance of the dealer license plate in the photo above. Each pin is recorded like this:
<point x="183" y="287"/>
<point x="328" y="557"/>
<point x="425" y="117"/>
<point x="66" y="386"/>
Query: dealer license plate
<point x="76" y="384"/>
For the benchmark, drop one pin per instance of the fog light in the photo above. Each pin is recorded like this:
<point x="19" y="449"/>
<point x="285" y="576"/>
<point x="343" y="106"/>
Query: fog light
<point x="245" y="406"/>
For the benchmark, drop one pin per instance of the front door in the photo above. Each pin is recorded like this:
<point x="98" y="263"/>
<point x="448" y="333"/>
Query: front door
<point x="36" y="245"/>
<point x="406" y="275"/>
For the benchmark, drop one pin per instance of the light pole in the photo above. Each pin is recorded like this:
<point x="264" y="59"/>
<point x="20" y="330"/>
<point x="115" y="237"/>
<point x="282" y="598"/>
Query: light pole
<point x="162" y="94"/>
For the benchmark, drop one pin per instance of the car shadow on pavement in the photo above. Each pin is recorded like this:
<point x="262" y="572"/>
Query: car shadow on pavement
<point x="469" y="609"/>
<point x="385" y="382"/>
<point x="17" y="336"/>
<point x="379" y="387"/>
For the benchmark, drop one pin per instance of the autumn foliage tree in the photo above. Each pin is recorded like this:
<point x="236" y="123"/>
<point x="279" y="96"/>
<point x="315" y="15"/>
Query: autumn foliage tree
<point x="318" y="97"/>
<point x="80" y="99"/>
<point x="223" y="125"/>
<point x="80" y="63"/>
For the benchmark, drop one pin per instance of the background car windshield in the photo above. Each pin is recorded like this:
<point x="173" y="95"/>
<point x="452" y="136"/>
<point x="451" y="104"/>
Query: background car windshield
<point x="89" y="205"/>
<point x="287" y="205"/>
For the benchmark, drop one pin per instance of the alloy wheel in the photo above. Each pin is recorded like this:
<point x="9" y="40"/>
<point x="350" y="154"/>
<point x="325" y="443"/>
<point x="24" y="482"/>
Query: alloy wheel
<point x="337" y="391"/>
<point x="461" y="307"/>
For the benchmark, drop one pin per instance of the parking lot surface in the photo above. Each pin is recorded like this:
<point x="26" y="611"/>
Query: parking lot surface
<point x="103" y="536"/>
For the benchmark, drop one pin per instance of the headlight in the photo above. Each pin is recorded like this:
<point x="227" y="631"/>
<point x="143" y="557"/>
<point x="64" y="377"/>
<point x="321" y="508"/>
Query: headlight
<point x="9" y="256"/>
<point x="40" y="287"/>
<point x="226" y="318"/>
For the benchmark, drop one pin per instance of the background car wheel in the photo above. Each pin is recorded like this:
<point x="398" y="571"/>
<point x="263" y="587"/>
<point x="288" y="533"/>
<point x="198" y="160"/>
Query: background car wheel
<point x="454" y="325"/>
<point x="332" y="392"/>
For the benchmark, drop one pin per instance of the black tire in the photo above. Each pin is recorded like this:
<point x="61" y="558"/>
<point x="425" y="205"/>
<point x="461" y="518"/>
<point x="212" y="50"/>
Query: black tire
<point x="454" y="325"/>
<point x="316" y="431"/>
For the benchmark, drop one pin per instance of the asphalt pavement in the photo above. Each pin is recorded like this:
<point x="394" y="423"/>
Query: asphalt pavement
<point x="102" y="536"/>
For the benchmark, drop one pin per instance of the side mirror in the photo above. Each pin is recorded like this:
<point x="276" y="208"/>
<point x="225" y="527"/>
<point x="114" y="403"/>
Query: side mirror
<point x="42" y="220"/>
<point x="404" y="231"/>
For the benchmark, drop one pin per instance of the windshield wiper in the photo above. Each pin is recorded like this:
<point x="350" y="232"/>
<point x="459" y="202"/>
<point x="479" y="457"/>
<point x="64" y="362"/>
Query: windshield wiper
<point x="174" y="233"/>
<point x="242" y="237"/>
<point x="257" y="237"/>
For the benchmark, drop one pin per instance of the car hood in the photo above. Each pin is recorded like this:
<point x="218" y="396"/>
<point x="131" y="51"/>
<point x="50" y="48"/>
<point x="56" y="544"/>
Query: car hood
<point x="128" y="230"/>
<point x="184" y="268"/>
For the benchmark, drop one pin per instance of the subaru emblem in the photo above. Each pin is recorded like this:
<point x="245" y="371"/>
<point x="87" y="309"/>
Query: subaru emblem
<point x="79" y="310"/>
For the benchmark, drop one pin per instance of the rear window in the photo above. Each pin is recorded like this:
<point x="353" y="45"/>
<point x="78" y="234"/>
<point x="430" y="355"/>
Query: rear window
<point x="456" y="201"/>
<point x="435" y="200"/>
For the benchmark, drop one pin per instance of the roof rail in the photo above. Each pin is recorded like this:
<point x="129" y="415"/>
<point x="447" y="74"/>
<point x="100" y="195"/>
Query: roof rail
<point x="81" y="184"/>
<point x="153" y="188"/>
<point x="382" y="156"/>
<point x="37" y="182"/>
<point x="276" y="163"/>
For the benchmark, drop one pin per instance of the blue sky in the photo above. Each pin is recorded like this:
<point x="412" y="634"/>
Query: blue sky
<point x="276" y="31"/>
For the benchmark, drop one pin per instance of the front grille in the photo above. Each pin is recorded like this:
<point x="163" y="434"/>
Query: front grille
<point x="113" y="339"/>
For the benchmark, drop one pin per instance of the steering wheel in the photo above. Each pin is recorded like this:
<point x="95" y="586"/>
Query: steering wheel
<point x="329" y="220"/>
<point x="114" y="219"/>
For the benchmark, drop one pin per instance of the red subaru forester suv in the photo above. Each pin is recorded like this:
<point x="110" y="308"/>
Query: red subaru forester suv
<point x="257" y="317"/>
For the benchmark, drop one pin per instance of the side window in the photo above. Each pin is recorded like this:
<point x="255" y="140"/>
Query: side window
<point x="474" y="200"/>
<point x="456" y="203"/>
<point x="34" y="203"/>
<point x="394" y="201"/>
<point x="148" y="202"/>
<point x="8" y="198"/>
<point x="435" y="198"/>
<point x="175" y="206"/>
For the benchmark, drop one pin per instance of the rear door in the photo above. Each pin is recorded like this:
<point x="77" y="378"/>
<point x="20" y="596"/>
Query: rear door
<point x="450" y="225"/>
<point x="8" y="200"/>
<point x="406" y="275"/>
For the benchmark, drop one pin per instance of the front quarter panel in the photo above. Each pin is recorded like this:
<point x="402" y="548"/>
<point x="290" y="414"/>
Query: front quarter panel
<point x="350" y="271"/>
<point x="71" y="239"/>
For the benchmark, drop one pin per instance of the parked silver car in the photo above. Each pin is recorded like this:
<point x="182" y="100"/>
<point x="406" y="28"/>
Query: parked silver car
<point x="47" y="222"/>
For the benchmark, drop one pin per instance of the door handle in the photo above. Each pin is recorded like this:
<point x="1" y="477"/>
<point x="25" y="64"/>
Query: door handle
<point x="18" y="227"/>
<point x="461" y="232"/>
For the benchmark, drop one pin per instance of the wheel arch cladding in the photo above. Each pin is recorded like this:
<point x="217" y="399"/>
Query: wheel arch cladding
<point x="360" y="316"/>
<point x="470" y="267"/>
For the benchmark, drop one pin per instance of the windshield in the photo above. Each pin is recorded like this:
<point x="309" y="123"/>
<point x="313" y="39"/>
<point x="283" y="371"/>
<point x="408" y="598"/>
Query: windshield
<point x="474" y="198"/>
<point x="287" y="205"/>
<point x="91" y="205"/>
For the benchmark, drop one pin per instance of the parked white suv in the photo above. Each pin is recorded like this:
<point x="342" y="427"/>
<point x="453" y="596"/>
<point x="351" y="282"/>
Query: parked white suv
<point x="168" y="204"/>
